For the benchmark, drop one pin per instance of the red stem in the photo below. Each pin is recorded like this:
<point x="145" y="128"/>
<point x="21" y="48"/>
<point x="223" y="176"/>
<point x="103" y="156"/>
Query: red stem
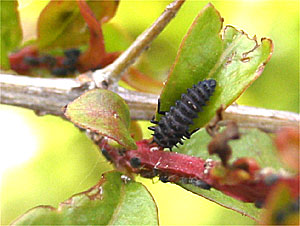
<point x="176" y="167"/>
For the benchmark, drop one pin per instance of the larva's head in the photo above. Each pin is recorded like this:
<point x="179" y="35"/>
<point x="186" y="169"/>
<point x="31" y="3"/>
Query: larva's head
<point x="212" y="83"/>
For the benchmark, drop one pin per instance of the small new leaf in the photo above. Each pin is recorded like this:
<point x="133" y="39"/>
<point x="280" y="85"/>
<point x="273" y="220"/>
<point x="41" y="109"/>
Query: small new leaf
<point x="103" y="112"/>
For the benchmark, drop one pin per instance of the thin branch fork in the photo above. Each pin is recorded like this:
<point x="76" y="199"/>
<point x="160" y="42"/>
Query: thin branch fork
<point x="113" y="72"/>
<point x="49" y="96"/>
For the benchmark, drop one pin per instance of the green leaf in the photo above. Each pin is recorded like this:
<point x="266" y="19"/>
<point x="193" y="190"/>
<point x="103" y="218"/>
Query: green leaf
<point x="104" y="112"/>
<point x="11" y="31"/>
<point x="61" y="25"/>
<point x="233" y="60"/>
<point x="136" y="130"/>
<point x="253" y="143"/>
<point x="112" y="201"/>
<point x="247" y="209"/>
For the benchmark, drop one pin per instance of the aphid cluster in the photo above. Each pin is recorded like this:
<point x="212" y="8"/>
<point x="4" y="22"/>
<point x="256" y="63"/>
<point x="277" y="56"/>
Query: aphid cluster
<point x="135" y="162"/>
<point x="174" y="124"/>
<point x="68" y="63"/>
<point x="59" y="66"/>
<point x="40" y="61"/>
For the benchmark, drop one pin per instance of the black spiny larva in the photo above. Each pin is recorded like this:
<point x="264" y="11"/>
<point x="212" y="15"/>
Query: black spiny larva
<point x="174" y="124"/>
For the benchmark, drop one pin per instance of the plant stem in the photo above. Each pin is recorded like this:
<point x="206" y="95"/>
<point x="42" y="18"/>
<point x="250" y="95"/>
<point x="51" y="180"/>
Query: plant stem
<point x="113" y="72"/>
<point x="49" y="96"/>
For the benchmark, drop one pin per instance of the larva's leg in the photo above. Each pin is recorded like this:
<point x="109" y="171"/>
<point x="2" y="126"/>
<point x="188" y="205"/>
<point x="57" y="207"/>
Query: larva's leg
<point x="153" y="121"/>
<point x="194" y="131"/>
<point x="158" y="108"/>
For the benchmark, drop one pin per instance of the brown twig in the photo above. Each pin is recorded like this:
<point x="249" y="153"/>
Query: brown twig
<point x="114" y="71"/>
<point x="49" y="96"/>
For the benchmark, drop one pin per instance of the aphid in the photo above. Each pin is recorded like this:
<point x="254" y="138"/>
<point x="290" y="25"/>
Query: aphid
<point x="135" y="162"/>
<point x="195" y="182"/>
<point x="69" y="62"/>
<point x="71" y="59"/>
<point x="48" y="60"/>
<point x="106" y="155"/>
<point x="148" y="173"/>
<point x="259" y="204"/>
<point x="31" y="60"/>
<point x="72" y="53"/>
<point x="199" y="183"/>
<point x="164" y="178"/>
<point x="174" y="124"/>
<point x="59" y="71"/>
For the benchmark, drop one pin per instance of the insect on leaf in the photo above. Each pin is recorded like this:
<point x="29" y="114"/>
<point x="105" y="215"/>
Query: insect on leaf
<point x="233" y="59"/>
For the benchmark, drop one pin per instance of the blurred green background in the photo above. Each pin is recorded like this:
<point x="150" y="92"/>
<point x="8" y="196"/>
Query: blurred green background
<point x="45" y="160"/>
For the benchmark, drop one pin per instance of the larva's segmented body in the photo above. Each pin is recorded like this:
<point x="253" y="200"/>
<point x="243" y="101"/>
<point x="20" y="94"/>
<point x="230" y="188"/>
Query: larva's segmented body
<point x="174" y="125"/>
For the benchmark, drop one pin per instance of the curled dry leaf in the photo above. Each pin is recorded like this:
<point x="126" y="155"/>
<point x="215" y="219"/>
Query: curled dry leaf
<point x="219" y="144"/>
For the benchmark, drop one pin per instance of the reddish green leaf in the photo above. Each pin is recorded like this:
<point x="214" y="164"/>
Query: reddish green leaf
<point x="113" y="201"/>
<point x="104" y="112"/>
<point x="61" y="24"/>
<point x="10" y="32"/>
<point x="288" y="142"/>
<point x="17" y="62"/>
<point x="141" y="82"/>
<point x="95" y="54"/>
<point x="233" y="60"/>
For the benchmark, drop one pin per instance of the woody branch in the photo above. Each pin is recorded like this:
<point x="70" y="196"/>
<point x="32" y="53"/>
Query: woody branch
<point x="49" y="96"/>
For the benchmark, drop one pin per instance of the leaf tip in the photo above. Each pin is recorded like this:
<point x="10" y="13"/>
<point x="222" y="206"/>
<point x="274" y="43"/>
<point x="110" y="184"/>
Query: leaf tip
<point x="270" y="43"/>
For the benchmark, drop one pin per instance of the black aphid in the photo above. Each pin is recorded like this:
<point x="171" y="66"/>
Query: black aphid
<point x="135" y="162"/>
<point x="48" y="60"/>
<point x="31" y="60"/>
<point x="174" y="124"/>
<point x="106" y="155"/>
<point x="199" y="183"/>
<point x="72" y="53"/>
<point x="164" y="178"/>
<point x="59" y="71"/>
